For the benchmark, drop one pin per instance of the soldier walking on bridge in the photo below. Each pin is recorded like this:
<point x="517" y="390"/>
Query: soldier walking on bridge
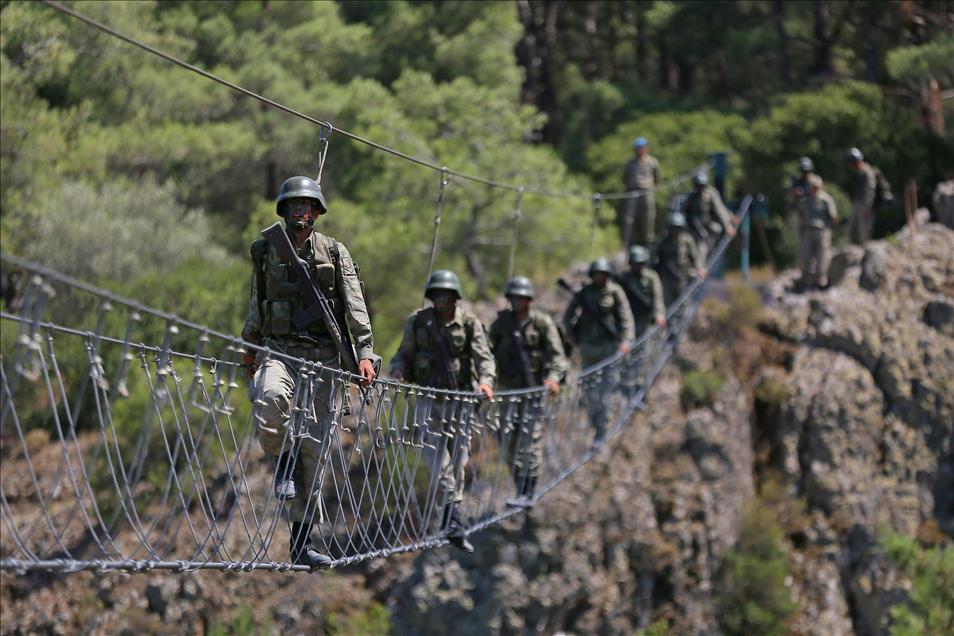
<point x="819" y="214"/>
<point x="643" y="290"/>
<point x="446" y="347"/>
<point x="641" y="176"/>
<point x="529" y="352"/>
<point x="277" y="320"/>
<point x="706" y="214"/>
<point x="600" y="321"/>
<point x="677" y="258"/>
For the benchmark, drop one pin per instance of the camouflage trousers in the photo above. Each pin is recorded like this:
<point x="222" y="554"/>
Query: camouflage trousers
<point x="814" y="255"/>
<point x="447" y="424"/>
<point x="521" y="433"/>
<point x="294" y="415"/>
<point x="645" y="232"/>
<point x="601" y="384"/>
<point x="860" y="224"/>
<point x="672" y="287"/>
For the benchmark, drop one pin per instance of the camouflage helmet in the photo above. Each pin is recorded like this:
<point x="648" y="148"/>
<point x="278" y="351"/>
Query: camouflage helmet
<point x="677" y="219"/>
<point x="855" y="155"/>
<point x="442" y="279"/>
<point x="638" y="255"/>
<point x="520" y="286"/>
<point x="600" y="265"/>
<point x="301" y="188"/>
<point x="700" y="179"/>
<point x="805" y="164"/>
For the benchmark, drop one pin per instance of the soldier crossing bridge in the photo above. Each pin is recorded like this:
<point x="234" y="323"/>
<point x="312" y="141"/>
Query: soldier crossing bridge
<point x="128" y="436"/>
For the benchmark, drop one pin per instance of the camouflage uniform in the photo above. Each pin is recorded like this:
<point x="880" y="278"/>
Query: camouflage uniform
<point x="648" y="283"/>
<point x="676" y="260"/>
<point x="864" y="186"/>
<point x="814" y="250"/>
<point x="596" y="342"/>
<point x="641" y="175"/>
<point x="706" y="212"/>
<point x="547" y="362"/>
<point x="274" y="299"/>
<point x="472" y="362"/>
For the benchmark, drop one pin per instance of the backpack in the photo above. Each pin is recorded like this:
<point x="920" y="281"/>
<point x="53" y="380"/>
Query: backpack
<point x="883" y="196"/>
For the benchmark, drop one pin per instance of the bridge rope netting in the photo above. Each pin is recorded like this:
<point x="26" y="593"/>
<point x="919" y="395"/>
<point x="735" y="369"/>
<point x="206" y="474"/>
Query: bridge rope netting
<point x="127" y="434"/>
<point x="129" y="442"/>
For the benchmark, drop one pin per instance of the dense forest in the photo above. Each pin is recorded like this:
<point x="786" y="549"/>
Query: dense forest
<point x="130" y="172"/>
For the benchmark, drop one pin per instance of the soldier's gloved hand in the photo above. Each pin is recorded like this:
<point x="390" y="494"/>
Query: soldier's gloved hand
<point x="366" y="369"/>
<point x="486" y="390"/>
<point x="552" y="386"/>
<point x="661" y="321"/>
<point x="248" y="365"/>
<point x="730" y="230"/>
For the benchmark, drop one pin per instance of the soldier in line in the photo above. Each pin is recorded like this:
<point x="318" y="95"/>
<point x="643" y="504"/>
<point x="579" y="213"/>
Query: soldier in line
<point x="446" y="347"/>
<point x="943" y="203"/>
<point x="643" y="290"/>
<point x="529" y="352"/>
<point x="706" y="214"/>
<point x="641" y="175"/>
<point x="819" y="214"/>
<point x="677" y="258"/>
<point x="600" y="321"/>
<point x="799" y="186"/>
<point x="864" y="190"/>
<point x="275" y="299"/>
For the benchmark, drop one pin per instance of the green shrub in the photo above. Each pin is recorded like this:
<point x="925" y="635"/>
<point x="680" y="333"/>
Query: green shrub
<point x="928" y="610"/>
<point x="373" y="621"/>
<point x="700" y="387"/>
<point x="753" y="597"/>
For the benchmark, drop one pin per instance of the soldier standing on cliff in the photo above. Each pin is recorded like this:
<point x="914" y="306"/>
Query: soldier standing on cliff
<point x="864" y="194"/>
<point x="446" y="347"/>
<point x="641" y="176"/>
<point x="294" y="443"/>
<point x="819" y="214"/>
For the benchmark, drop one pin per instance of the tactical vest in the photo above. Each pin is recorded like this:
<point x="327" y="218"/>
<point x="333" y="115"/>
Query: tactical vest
<point x="534" y="336"/>
<point x="700" y="207"/>
<point x="817" y="212"/>
<point x="278" y="288"/>
<point x="675" y="261"/>
<point x="426" y="358"/>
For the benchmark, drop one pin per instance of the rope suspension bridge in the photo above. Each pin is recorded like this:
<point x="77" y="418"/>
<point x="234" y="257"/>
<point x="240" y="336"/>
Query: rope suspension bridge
<point x="128" y="433"/>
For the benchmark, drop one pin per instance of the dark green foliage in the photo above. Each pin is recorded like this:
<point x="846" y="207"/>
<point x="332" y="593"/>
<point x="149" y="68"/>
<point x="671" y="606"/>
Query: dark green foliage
<point x="700" y="387"/>
<point x="928" y="610"/>
<point x="752" y="595"/>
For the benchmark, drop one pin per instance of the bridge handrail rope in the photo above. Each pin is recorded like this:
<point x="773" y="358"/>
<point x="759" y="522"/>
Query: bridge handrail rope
<point x="325" y="125"/>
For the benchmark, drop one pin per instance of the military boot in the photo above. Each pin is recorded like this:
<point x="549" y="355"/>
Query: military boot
<point x="526" y="488"/>
<point x="284" y="478"/>
<point x="451" y="523"/>
<point x="302" y="551"/>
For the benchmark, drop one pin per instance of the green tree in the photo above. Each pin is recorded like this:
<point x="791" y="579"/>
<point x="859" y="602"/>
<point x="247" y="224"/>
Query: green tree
<point x="753" y="597"/>
<point x="928" y="610"/>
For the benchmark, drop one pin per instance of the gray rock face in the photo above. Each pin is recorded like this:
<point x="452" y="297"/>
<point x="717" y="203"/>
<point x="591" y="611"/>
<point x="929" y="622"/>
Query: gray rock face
<point x="864" y="432"/>
<point x="873" y="267"/>
<point x="940" y="315"/>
